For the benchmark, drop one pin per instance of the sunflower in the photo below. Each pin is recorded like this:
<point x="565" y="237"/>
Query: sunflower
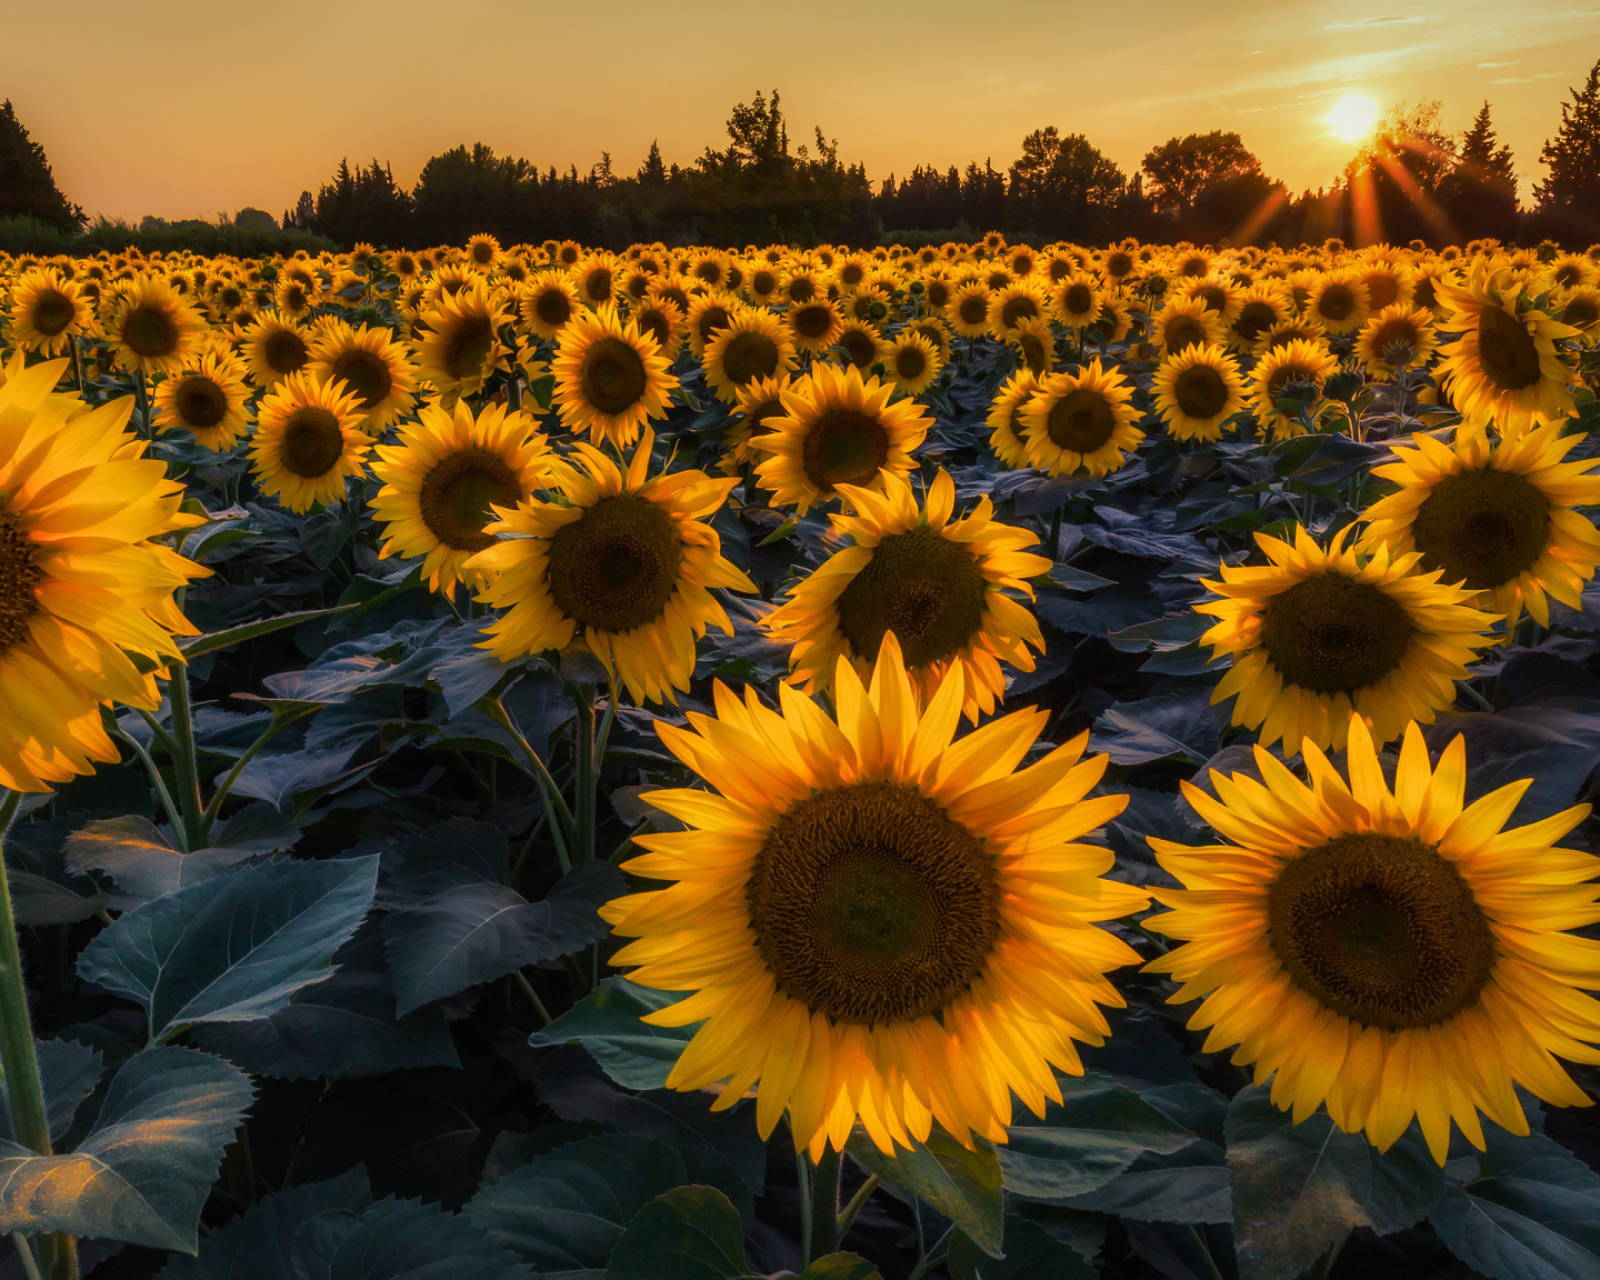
<point x="208" y="401"/>
<point x="1388" y="952"/>
<point x="936" y="331"/>
<point x="1580" y="308"/>
<point x="1004" y="418"/>
<point x="709" y="313"/>
<point x="1076" y="301"/>
<point x="1219" y="295"/>
<point x="1397" y="338"/>
<point x="753" y="344"/>
<point x="1504" y="368"/>
<point x="663" y="321"/>
<point x="815" y="325"/>
<point x="1197" y="391"/>
<point x="610" y="378"/>
<point x="548" y="302"/>
<point x="47" y="311"/>
<point x="460" y="346"/>
<point x="443" y="476"/>
<point x="1387" y="283"/>
<point x="483" y="253"/>
<point x="151" y="328"/>
<point x="759" y="400"/>
<point x="861" y="344"/>
<point x="878" y="923"/>
<point x="83" y="589"/>
<point x="1261" y="307"/>
<point x="799" y="285"/>
<point x="837" y="429"/>
<point x="308" y="441"/>
<point x="373" y="367"/>
<point x="1497" y="517"/>
<point x="597" y="279"/>
<point x="911" y="362"/>
<point x="938" y="584"/>
<point x="1081" y="421"/>
<point x="1009" y="307"/>
<point x="296" y="295"/>
<point x="968" y="309"/>
<point x="1315" y="634"/>
<point x="1185" y="322"/>
<point x="1296" y="371"/>
<point x="1113" y="324"/>
<point x="1287" y="331"/>
<point x="1339" y="302"/>
<point x="273" y="347"/>
<point x="623" y="562"/>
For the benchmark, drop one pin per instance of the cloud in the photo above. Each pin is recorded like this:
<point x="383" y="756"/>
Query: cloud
<point x="1370" y="22"/>
<point x="1497" y="64"/>
<point x="1533" y="79"/>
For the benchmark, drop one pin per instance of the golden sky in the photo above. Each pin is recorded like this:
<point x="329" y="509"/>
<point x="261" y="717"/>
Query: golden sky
<point x="185" y="108"/>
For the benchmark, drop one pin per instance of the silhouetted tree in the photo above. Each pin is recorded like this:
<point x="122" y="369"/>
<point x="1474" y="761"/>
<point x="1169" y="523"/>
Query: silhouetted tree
<point x="652" y="173"/>
<point x="1480" y="193"/>
<point x="1181" y="168"/>
<point x="1569" y="199"/>
<point x="1395" y="180"/>
<point x="27" y="187"/>
<point x="363" y="204"/>
<point x="1063" y="187"/>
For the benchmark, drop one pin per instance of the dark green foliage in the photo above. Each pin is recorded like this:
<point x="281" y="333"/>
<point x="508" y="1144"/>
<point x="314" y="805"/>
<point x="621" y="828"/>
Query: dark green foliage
<point x="1569" y="197"/>
<point x="27" y="187"/>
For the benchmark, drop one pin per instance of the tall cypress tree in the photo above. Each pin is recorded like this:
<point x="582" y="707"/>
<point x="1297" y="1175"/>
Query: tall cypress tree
<point x="27" y="187"/>
<point x="1480" y="194"/>
<point x="1569" y="200"/>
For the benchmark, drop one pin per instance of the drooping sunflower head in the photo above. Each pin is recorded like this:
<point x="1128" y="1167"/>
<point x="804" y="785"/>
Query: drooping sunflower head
<point x="710" y="311"/>
<point x="1081" y="422"/>
<point x="837" y="428"/>
<point x="661" y="319"/>
<point x="443" y="479"/>
<point x="1004" y="418"/>
<point x="207" y="400"/>
<point x="611" y="378"/>
<point x="372" y="366"/>
<point x="1197" y="391"/>
<point x="1183" y="323"/>
<point x="1359" y="941"/>
<point x="308" y="441"/>
<point x="1580" y="308"/>
<point x="297" y="294"/>
<point x="47" y="311"/>
<point x="150" y="327"/>
<point x="460" y="346"/>
<point x="1317" y="633"/>
<point x="874" y="905"/>
<point x="937" y="584"/>
<point x="754" y="344"/>
<point x="1498" y="517"/>
<point x="547" y="303"/>
<point x="624" y="563"/>
<point x="1287" y="378"/>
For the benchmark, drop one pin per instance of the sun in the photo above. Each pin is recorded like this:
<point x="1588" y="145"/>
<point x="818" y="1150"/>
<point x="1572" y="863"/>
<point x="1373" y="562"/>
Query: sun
<point x="1352" y="117"/>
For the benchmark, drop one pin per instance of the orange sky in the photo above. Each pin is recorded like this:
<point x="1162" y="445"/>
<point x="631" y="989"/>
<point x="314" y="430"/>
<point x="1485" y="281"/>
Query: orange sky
<point x="182" y="109"/>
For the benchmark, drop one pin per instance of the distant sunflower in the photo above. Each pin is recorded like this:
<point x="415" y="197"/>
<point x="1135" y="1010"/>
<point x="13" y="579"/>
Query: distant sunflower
<point x="84" y="588"/>
<point x="1221" y="297"/>
<point x="1318" y="633"/>
<point x="1298" y="370"/>
<point x="861" y="344"/>
<point x="1497" y="517"/>
<point x="1261" y="306"/>
<point x="1504" y="369"/>
<point x="1397" y="338"/>
<point x="1185" y="322"/>
<point x="759" y="400"/>
<point x="625" y="563"/>
<point x="48" y="311"/>
<point x="207" y="400"/>
<point x="610" y="378"/>
<point x="1197" y="391"/>
<point x="911" y="362"/>
<point x="273" y="348"/>
<point x="662" y="320"/>
<point x="1081" y="421"/>
<point x="1580" y="308"/>
<point x="1035" y="344"/>
<point x="879" y="925"/>
<point x="799" y="285"/>
<point x="968" y="310"/>
<point x="1003" y="420"/>
<point x="1076" y="301"/>
<point x="443" y="476"/>
<point x="1339" y="302"/>
<point x="938" y="584"/>
<point x="936" y="331"/>
<point x="460" y="345"/>
<point x="296" y="296"/>
<point x="1391" y="952"/>
<point x="308" y="441"/>
<point x="373" y="367"/>
<point x="816" y="326"/>
<point x="1009" y="307"/>
<point x="1287" y="331"/>
<point x="837" y="428"/>
<point x="151" y="328"/>
<point x="1113" y="324"/>
<point x="483" y="252"/>
<point x="548" y="303"/>
<point x="754" y="344"/>
<point x="709" y="313"/>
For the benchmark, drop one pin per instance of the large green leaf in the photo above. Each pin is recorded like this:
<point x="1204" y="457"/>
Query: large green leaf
<point x="1300" y="1189"/>
<point x="194" y="646"/>
<point x="566" y="1209"/>
<point x="68" y="1073"/>
<point x="402" y="1240"/>
<point x="236" y="947"/>
<point x="1532" y="1212"/>
<point x="688" y="1233"/>
<point x="143" y="862"/>
<point x="606" y="1023"/>
<point x="1032" y="1253"/>
<point x="146" y="1167"/>
<point x="840" y="1266"/>
<point x="964" y="1185"/>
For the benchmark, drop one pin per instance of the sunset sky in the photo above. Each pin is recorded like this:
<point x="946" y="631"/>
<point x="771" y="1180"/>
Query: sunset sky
<point x="192" y="109"/>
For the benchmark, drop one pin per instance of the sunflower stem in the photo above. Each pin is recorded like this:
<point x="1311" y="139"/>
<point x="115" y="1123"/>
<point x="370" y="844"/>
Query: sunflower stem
<point x="1055" y="533"/>
<point x="1198" y="1236"/>
<point x="533" y="997"/>
<point x="802" y="1173"/>
<point x="30" y="1264"/>
<point x="496" y="711"/>
<point x="824" y="1235"/>
<point x="847" y="1215"/>
<point x="209" y="817"/>
<point x="24" y="1095"/>
<point x="142" y="398"/>
<point x="185" y="759"/>
<point x="165" y="796"/>
<point x="1474" y="697"/>
<point x="583" y="754"/>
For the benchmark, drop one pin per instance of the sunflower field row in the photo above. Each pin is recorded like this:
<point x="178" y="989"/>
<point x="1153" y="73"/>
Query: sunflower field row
<point x="694" y="764"/>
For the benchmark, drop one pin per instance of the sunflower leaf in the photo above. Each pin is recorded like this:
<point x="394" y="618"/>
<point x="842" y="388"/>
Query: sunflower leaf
<point x="964" y="1185"/>
<point x="606" y="1023"/>
<point x="1032" y="1253"/>
<point x="688" y="1233"/>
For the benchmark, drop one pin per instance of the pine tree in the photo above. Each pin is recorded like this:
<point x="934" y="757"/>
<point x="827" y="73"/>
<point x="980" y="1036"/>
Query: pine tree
<point x="652" y="172"/>
<point x="27" y="187"/>
<point x="1480" y="193"/>
<point x="1572" y="191"/>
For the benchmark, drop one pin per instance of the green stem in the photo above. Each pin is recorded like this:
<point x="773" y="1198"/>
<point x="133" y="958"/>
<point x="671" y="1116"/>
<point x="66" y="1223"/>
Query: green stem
<point x="533" y="997"/>
<point x="847" y="1215"/>
<point x="824" y="1205"/>
<point x="30" y="1264"/>
<point x="1474" y="697"/>
<point x="30" y="1123"/>
<point x="1205" y="1252"/>
<point x="583" y="755"/>
<point x="1055" y="533"/>
<point x="185" y="760"/>
<point x="167" y="803"/>
<point x="621" y="851"/>
<point x="209" y="817"/>
<point x="802" y="1173"/>
<point x="496" y="711"/>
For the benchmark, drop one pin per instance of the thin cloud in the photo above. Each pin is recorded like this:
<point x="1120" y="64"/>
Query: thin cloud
<point x="1533" y="79"/>
<point x="1370" y="22"/>
<point x="1483" y="65"/>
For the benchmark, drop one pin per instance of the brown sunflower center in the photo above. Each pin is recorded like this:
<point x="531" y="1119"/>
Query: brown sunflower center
<point x="938" y="294"/>
<point x="1077" y="300"/>
<point x="1255" y="318"/>
<point x="1382" y="930"/>
<point x="1336" y="303"/>
<point x="763" y="282"/>
<point x="1183" y="332"/>
<point x="483" y="254"/>
<point x="19" y="575"/>
<point x="553" y="307"/>
<point x="285" y="352"/>
<point x="1292" y="373"/>
<point x="1015" y="309"/>
<point x="910" y="362"/>
<point x="1382" y="290"/>
<point x="1482" y="527"/>
<point x="973" y="309"/>
<point x="1200" y="392"/>
<point x="1213" y="295"/>
<point x="150" y="331"/>
<point x="612" y="377"/>
<point x="597" y="284"/>
<point x="1333" y="634"/>
<point x="312" y="442"/>
<point x="456" y="494"/>
<point x="467" y="346"/>
<point x="654" y="321"/>
<point x="1034" y="355"/>
<point x="294" y="297"/>
<point x="52" y="313"/>
<point x="1081" y="421"/>
<point x="859" y="347"/>
<point x="616" y="567"/>
<point x="200" y="402"/>
<point x="812" y="322"/>
<point x="843" y="447"/>
<point x="367" y="374"/>
<point x="1118" y="264"/>
<point x="710" y="320"/>
<point x="923" y="587"/>
<point x="748" y="356"/>
<point x="870" y="904"/>
<point x="1506" y="350"/>
<point x="1581" y="313"/>
<point x="802" y="289"/>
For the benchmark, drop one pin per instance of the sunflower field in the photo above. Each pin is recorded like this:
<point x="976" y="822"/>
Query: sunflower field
<point x="982" y="761"/>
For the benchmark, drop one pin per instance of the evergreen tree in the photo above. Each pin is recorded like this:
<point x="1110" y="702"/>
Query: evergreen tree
<point x="27" y="187"/>
<point x="1480" y="195"/>
<point x="652" y="173"/>
<point x="1569" y="199"/>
